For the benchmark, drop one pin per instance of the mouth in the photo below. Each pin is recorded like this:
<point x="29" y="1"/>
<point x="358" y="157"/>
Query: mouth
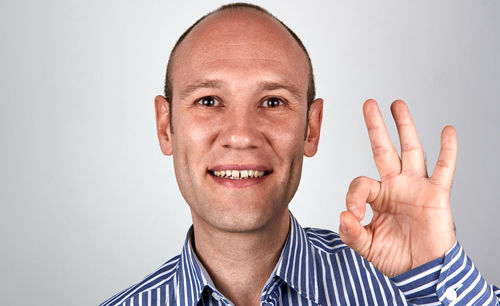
<point x="239" y="174"/>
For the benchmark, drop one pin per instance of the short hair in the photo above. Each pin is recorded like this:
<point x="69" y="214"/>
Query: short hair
<point x="311" y="91"/>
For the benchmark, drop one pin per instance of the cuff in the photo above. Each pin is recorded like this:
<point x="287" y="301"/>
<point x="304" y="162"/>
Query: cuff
<point x="420" y="283"/>
<point x="449" y="280"/>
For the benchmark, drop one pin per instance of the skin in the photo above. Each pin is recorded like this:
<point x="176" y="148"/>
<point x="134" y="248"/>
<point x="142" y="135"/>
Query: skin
<point x="256" y="77"/>
<point x="412" y="222"/>
<point x="241" y="59"/>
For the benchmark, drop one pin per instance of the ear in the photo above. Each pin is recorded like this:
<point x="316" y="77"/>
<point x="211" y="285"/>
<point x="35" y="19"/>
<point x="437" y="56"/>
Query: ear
<point x="313" y="128"/>
<point x="162" y="113"/>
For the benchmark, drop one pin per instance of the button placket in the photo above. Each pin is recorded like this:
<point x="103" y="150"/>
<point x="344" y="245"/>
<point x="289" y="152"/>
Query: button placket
<point x="451" y="294"/>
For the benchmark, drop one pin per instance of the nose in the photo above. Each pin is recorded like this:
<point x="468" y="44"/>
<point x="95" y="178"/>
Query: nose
<point x="240" y="130"/>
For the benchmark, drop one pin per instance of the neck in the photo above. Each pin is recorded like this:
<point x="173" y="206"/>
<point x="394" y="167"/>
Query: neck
<point x="240" y="263"/>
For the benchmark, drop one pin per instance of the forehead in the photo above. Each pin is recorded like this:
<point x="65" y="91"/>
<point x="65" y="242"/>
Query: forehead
<point x="240" y="41"/>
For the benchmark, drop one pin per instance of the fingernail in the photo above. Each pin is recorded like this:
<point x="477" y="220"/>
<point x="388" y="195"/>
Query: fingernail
<point x="354" y="210"/>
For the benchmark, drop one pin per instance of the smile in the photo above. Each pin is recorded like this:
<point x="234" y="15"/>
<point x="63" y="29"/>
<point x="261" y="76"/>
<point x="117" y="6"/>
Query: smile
<point x="238" y="174"/>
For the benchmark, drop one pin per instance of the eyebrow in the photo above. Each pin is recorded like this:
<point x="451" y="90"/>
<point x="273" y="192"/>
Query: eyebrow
<point x="189" y="89"/>
<point x="262" y="85"/>
<point x="282" y="84"/>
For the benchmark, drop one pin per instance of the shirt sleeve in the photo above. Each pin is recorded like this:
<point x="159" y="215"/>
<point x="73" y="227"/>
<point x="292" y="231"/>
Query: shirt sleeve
<point x="452" y="280"/>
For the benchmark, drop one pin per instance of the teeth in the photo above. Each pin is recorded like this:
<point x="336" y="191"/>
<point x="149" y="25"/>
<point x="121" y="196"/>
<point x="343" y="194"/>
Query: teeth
<point x="239" y="174"/>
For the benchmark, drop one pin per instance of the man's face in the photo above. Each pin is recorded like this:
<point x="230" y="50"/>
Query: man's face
<point x="239" y="116"/>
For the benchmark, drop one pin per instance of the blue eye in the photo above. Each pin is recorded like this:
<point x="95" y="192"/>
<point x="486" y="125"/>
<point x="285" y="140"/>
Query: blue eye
<point x="272" y="102"/>
<point x="209" y="101"/>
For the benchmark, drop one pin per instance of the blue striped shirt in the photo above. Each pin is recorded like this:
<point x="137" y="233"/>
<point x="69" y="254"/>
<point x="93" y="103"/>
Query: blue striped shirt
<point x="317" y="268"/>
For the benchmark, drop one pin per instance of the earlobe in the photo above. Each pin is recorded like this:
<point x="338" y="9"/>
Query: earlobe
<point x="313" y="128"/>
<point x="162" y="113"/>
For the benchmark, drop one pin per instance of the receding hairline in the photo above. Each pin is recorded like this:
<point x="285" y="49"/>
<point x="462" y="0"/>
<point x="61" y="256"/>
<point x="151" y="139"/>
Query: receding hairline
<point x="240" y="6"/>
<point x="237" y="7"/>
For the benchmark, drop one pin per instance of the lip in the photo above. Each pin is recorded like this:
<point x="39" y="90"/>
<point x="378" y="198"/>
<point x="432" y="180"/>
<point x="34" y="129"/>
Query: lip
<point x="232" y="183"/>
<point x="240" y="167"/>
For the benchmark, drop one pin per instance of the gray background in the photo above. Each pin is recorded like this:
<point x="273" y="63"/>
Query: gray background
<point x="88" y="203"/>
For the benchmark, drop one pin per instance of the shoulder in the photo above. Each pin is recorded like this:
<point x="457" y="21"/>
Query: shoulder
<point x="163" y="277"/>
<point x="331" y="251"/>
<point x="325" y="240"/>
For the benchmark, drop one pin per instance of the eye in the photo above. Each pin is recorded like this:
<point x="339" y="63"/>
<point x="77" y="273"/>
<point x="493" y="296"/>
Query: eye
<point x="209" y="101"/>
<point x="272" y="102"/>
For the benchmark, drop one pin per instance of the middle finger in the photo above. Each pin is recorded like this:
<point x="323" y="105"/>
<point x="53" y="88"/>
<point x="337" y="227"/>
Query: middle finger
<point x="385" y="155"/>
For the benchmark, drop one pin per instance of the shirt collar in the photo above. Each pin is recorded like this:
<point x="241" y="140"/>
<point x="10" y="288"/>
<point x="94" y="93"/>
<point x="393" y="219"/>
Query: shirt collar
<point x="296" y="266"/>
<point x="192" y="276"/>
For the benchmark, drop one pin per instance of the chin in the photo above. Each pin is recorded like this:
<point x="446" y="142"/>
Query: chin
<point x="241" y="219"/>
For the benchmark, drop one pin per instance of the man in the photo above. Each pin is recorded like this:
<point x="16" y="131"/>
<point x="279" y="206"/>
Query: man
<point x="239" y="114"/>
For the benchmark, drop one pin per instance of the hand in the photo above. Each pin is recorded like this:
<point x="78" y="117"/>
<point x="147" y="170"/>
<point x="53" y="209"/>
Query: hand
<point x="412" y="222"/>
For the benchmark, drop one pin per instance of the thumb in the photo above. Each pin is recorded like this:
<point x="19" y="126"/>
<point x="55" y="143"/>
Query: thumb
<point x="354" y="234"/>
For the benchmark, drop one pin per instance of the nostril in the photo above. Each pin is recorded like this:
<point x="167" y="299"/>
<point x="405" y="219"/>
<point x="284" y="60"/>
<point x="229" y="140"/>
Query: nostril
<point x="239" y="136"/>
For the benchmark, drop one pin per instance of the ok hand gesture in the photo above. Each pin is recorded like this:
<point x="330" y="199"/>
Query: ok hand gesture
<point x="412" y="222"/>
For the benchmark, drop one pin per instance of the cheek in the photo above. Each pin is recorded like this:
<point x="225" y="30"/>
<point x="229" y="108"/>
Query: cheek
<point x="191" y="142"/>
<point x="288" y="138"/>
<point x="191" y="139"/>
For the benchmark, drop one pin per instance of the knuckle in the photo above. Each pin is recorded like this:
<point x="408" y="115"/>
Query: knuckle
<point x="401" y="125"/>
<point x="409" y="147"/>
<point x="359" y="181"/>
<point x="439" y="184"/>
<point x="390" y="175"/>
<point x="380" y="150"/>
<point x="442" y="163"/>
<point x="410" y="172"/>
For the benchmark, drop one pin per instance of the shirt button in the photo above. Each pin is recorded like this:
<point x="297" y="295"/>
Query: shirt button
<point x="216" y="296"/>
<point x="451" y="294"/>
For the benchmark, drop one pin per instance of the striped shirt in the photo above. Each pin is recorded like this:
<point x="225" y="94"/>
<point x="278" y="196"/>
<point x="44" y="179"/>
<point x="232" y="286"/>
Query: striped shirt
<point x="317" y="268"/>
